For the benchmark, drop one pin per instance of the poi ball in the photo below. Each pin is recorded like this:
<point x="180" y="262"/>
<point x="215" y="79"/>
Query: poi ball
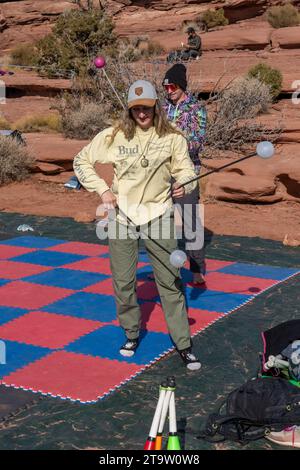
<point x="265" y="149"/>
<point x="178" y="258"/>
<point x="99" y="62"/>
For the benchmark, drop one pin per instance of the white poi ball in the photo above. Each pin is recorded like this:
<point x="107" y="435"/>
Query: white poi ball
<point x="265" y="149"/>
<point x="99" y="62"/>
<point x="178" y="258"/>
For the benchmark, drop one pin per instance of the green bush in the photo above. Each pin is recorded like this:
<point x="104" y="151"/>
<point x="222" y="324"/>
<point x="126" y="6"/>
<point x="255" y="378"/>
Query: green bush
<point x="269" y="76"/>
<point x="283" y="16"/>
<point x="77" y="37"/>
<point x="213" y="18"/>
<point x="24" y="54"/>
<point x="15" y="162"/>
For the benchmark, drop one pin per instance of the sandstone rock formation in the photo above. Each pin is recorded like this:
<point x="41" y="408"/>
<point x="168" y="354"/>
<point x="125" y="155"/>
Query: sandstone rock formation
<point x="258" y="180"/>
<point x="3" y="22"/>
<point x="27" y="21"/>
<point x="228" y="52"/>
<point x="286" y="37"/>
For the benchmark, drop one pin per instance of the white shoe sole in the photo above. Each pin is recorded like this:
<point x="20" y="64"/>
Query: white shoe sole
<point x="194" y="366"/>
<point x="283" y="443"/>
<point x="126" y="353"/>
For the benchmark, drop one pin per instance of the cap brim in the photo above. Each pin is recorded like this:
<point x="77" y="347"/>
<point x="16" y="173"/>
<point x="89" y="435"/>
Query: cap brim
<point x="142" y="102"/>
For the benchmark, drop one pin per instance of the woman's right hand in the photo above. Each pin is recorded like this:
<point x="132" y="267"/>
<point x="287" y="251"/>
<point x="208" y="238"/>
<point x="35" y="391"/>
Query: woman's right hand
<point x="109" y="200"/>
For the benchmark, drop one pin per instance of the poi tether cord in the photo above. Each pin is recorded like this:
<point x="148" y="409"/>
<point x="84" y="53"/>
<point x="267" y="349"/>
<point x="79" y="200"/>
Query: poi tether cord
<point x="215" y="170"/>
<point x="170" y="195"/>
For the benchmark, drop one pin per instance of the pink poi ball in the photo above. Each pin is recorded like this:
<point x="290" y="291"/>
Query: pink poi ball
<point x="99" y="62"/>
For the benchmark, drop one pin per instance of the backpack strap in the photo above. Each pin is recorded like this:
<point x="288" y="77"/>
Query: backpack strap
<point x="220" y="428"/>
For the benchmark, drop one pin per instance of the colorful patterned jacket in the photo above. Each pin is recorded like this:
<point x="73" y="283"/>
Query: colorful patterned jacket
<point x="190" y="116"/>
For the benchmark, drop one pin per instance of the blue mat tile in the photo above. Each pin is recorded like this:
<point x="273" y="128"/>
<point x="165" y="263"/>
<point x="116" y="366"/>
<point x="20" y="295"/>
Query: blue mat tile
<point x="48" y="258"/>
<point x="106" y="342"/>
<point x="144" y="258"/>
<point x="10" y="313"/>
<point x="142" y="273"/>
<point x="66" y="278"/>
<point x="3" y="282"/>
<point x="33" y="242"/>
<point x="85" y="305"/>
<point x="255" y="270"/>
<point x="214" y="301"/>
<point x="19" y="355"/>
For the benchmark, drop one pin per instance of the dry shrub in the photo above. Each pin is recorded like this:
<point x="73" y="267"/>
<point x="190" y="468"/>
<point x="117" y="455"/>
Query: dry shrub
<point x="283" y="16"/>
<point x="89" y="107"/>
<point x="24" y="54"/>
<point x="154" y="49"/>
<point x="92" y="105"/>
<point x="85" y="121"/>
<point x="138" y="47"/>
<point x="245" y="96"/>
<point x="232" y="124"/>
<point x="15" y="162"/>
<point x="39" y="123"/>
<point x="4" y="124"/>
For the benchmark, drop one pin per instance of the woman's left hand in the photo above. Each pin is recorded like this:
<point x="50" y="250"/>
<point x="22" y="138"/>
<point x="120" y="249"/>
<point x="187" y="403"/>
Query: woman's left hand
<point x="177" y="193"/>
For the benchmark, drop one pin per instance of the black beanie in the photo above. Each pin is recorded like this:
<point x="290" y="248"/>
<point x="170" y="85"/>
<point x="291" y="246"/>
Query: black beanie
<point x="177" y="75"/>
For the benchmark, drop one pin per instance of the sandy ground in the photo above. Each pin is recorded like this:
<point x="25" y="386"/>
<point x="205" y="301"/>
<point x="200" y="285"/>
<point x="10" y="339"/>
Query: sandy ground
<point x="36" y="197"/>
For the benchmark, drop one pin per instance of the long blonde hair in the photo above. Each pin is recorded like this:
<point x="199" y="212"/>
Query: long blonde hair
<point x="128" y="125"/>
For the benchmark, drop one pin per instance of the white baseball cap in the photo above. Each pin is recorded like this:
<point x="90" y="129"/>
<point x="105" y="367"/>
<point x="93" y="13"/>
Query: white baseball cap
<point x="141" y="93"/>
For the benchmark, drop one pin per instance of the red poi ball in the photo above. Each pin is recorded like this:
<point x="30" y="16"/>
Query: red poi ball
<point x="99" y="62"/>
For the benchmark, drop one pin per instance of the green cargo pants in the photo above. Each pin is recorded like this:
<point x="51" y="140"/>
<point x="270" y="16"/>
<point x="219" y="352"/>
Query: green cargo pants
<point x="124" y="259"/>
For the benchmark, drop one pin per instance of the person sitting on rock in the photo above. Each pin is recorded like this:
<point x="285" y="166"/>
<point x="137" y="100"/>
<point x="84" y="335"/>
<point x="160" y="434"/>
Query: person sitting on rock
<point x="191" y="50"/>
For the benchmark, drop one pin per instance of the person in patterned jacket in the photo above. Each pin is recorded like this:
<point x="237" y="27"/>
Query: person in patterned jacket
<point x="189" y="115"/>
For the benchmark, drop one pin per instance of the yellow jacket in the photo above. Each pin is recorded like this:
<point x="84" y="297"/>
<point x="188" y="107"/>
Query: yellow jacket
<point x="142" y="193"/>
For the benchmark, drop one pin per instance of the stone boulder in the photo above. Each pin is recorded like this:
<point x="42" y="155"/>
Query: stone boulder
<point x="238" y="36"/>
<point x="54" y="149"/>
<point x="257" y="180"/>
<point x="3" y="22"/>
<point x="288" y="38"/>
<point x="29" y="82"/>
<point x="59" y="178"/>
<point x="231" y="186"/>
<point x="47" y="168"/>
<point x="236" y="10"/>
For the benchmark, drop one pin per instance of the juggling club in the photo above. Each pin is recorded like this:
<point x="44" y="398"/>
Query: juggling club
<point x="173" y="440"/>
<point x="165" y="409"/>
<point x="150" y="442"/>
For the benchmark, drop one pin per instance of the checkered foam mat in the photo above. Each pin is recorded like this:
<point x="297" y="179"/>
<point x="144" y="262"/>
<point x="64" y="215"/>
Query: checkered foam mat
<point x="58" y="316"/>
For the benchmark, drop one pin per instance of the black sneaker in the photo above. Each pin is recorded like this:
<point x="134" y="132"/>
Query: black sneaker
<point x="191" y="362"/>
<point x="128" y="349"/>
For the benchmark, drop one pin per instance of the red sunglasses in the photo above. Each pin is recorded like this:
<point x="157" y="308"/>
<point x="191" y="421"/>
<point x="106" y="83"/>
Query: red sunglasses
<point x="171" y="87"/>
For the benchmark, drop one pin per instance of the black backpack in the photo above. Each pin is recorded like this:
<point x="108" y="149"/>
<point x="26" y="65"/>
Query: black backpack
<point x="253" y="410"/>
<point x="270" y="402"/>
